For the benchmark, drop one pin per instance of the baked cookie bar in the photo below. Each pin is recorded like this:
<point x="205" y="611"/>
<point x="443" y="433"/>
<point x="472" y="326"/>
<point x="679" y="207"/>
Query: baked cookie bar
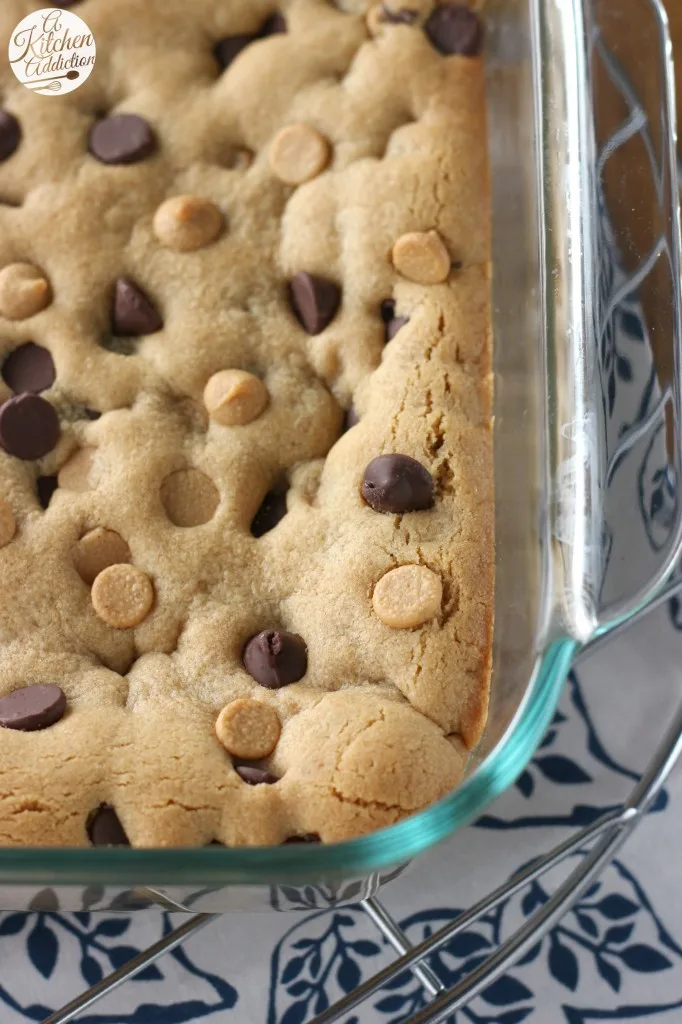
<point x="246" y="472"/>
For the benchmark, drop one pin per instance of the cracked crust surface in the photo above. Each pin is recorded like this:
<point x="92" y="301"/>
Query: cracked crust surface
<point x="381" y="723"/>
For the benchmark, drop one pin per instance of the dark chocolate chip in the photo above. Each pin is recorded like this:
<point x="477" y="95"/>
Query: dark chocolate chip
<point x="314" y="300"/>
<point x="351" y="419"/>
<point x="255" y="776"/>
<point x="29" y="427"/>
<point x="394" y="325"/>
<point x="271" y="512"/>
<point x="455" y="28"/>
<point x="29" y="368"/>
<point x="387" y="310"/>
<point x="105" y="829"/>
<point x="275" y="658"/>
<point x="397" y="483"/>
<point x="225" y="50"/>
<point x="273" y="26"/>
<point x="122" y="139"/>
<point x="133" y="314"/>
<point x="310" y="837"/>
<point x="46" y="486"/>
<point x="32" y="707"/>
<point x="10" y="134"/>
<point x="403" y="16"/>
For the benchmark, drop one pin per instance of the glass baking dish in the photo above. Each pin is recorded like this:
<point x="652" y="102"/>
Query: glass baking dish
<point x="571" y="187"/>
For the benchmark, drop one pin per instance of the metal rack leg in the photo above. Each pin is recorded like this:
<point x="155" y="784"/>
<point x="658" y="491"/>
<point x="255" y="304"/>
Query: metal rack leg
<point x="112" y="981"/>
<point x="394" y="934"/>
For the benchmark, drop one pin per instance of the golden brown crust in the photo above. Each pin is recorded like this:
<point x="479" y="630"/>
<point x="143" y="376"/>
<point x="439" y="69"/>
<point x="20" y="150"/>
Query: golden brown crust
<point x="367" y="734"/>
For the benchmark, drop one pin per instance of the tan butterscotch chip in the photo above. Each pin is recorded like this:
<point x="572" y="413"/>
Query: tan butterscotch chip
<point x="248" y="729"/>
<point x="189" y="497"/>
<point x="421" y="256"/>
<point x="122" y="596"/>
<point x="76" y="473"/>
<point x="298" y="153"/>
<point x="24" y="291"/>
<point x="408" y="596"/>
<point x="96" y="551"/>
<point x="187" y="223"/>
<point x="234" y="397"/>
<point x="8" y="524"/>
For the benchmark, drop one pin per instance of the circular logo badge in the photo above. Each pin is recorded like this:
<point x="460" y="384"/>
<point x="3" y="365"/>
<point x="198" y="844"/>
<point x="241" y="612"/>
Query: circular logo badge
<point x="52" y="52"/>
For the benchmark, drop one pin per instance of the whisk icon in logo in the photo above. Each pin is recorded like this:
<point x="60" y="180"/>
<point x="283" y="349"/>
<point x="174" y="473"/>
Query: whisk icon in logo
<point x="52" y="52"/>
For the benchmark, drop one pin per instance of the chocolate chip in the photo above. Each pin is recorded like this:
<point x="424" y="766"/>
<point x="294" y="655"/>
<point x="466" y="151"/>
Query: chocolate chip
<point x="255" y="776"/>
<point x="404" y="16"/>
<point x="133" y="314"/>
<point x="225" y="50"/>
<point x="29" y="427"/>
<point x="46" y="486"/>
<point x="314" y="300"/>
<point x="272" y="26"/>
<point x="455" y="28"/>
<point x="275" y="658"/>
<point x="10" y="134"/>
<point x="397" y="483"/>
<point x="271" y="512"/>
<point x="309" y="837"/>
<point x="121" y="139"/>
<point x="29" y="368"/>
<point x="105" y="829"/>
<point x="32" y="707"/>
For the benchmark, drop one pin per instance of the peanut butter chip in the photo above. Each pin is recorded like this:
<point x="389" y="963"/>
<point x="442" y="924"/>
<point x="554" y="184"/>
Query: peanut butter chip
<point x="248" y="729"/>
<point x="187" y="223"/>
<point x="24" y="291"/>
<point x="8" y="524"/>
<point x="122" y="596"/>
<point x="96" y="551"/>
<point x="234" y="397"/>
<point x="189" y="497"/>
<point x="421" y="256"/>
<point x="298" y="153"/>
<point x="407" y="596"/>
<point x="76" y="473"/>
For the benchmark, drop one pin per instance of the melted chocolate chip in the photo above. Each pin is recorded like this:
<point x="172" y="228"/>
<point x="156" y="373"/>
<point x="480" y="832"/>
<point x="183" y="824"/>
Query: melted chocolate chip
<point x="273" y="26"/>
<point x="32" y="707"/>
<point x="29" y="367"/>
<point x="122" y="139"/>
<point x="271" y="512"/>
<point x="29" y="427"/>
<point x="455" y="29"/>
<point x="255" y="776"/>
<point x="314" y="300"/>
<point x="275" y="658"/>
<point x="397" y="483"/>
<point x="105" y="829"/>
<point x="46" y="486"/>
<point x="10" y="134"/>
<point x="133" y="314"/>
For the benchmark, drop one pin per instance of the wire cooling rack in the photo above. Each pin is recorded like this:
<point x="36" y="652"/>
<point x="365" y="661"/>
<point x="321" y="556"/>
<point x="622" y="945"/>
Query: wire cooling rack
<point x="602" y="838"/>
